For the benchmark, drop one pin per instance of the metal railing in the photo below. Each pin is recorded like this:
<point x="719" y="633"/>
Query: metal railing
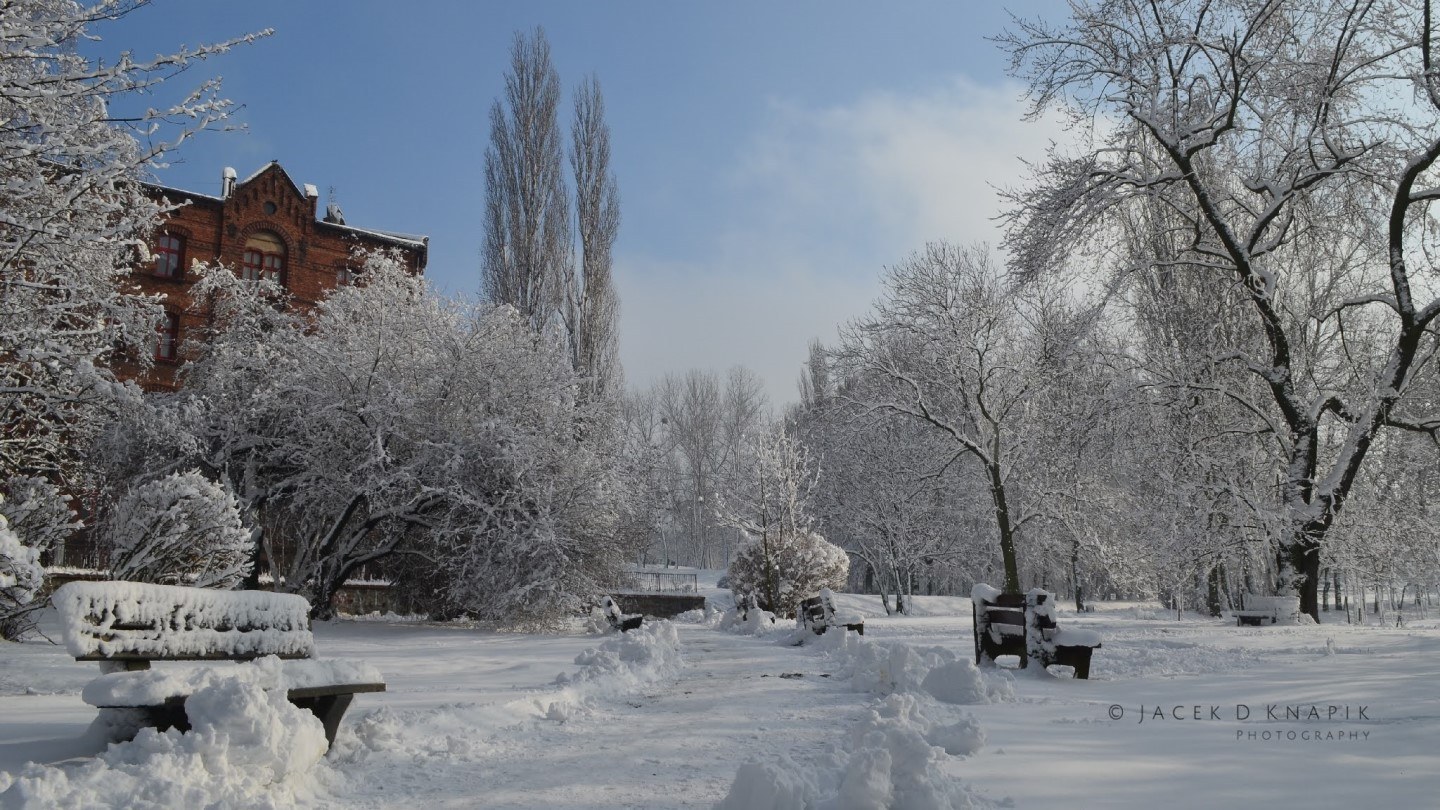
<point x="660" y="582"/>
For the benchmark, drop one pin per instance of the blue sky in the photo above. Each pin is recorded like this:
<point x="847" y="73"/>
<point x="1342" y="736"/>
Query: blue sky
<point x="772" y="156"/>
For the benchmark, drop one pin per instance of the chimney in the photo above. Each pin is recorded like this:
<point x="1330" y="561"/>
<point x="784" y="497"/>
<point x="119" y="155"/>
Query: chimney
<point x="227" y="183"/>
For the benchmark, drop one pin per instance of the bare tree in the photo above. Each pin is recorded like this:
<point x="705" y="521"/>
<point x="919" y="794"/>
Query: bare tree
<point x="592" y="307"/>
<point x="527" y="226"/>
<point x="1287" y="138"/>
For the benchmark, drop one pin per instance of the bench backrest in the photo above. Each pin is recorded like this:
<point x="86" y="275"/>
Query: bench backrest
<point x="813" y="609"/>
<point x="1282" y="604"/>
<point x="119" y="621"/>
<point x="1004" y="608"/>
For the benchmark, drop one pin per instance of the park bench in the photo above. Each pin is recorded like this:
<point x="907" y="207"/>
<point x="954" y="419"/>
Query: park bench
<point x="1259" y="610"/>
<point x="617" y="619"/>
<point x="127" y="625"/>
<point x="1024" y="625"/>
<point x="818" y="614"/>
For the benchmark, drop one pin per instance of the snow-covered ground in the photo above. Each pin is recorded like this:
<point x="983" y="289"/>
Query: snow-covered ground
<point x="693" y="715"/>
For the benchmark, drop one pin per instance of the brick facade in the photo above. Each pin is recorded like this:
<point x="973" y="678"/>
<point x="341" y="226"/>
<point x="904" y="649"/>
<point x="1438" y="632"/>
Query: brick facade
<point x="269" y="215"/>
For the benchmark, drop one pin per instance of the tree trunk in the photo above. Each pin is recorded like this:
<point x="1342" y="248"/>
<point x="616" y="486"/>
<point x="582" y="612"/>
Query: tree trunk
<point x="1002" y="523"/>
<point x="1212" y="591"/>
<point x="1298" y="568"/>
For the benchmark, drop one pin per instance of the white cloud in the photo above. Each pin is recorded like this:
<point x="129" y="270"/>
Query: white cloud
<point x="821" y="199"/>
<point x="675" y="317"/>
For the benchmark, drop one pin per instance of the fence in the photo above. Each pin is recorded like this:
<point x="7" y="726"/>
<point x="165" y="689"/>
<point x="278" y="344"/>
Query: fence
<point x="660" y="582"/>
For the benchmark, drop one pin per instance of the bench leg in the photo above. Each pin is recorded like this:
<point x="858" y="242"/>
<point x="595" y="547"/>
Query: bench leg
<point x="329" y="709"/>
<point x="1076" y="657"/>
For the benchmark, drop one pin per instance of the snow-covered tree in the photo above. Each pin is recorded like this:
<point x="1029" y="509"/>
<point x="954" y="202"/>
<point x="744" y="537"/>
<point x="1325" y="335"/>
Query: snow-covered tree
<point x="1293" y="145"/>
<point x="183" y="529"/>
<point x="392" y="423"/>
<point x="72" y="217"/>
<point x="945" y="346"/>
<point x="888" y="497"/>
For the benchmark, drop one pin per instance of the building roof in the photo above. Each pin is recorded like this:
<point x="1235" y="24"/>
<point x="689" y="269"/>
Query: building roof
<point x="405" y="240"/>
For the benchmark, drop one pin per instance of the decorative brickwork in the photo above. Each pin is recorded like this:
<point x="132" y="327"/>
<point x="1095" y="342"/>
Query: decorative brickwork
<point x="261" y="212"/>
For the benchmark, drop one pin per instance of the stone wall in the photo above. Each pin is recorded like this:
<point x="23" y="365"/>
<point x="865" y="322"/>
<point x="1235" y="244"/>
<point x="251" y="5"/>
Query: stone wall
<point x="659" y="605"/>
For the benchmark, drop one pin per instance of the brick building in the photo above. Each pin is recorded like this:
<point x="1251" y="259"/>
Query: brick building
<point x="263" y="226"/>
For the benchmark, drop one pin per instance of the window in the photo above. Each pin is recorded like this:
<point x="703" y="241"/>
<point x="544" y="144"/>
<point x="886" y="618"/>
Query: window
<point x="264" y="258"/>
<point x="345" y="274"/>
<point x="250" y="267"/>
<point x="169" y="256"/>
<point x="168" y="332"/>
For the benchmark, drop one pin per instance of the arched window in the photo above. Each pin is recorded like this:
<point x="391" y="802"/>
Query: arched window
<point x="169" y="255"/>
<point x="167" y="346"/>
<point x="264" y="258"/>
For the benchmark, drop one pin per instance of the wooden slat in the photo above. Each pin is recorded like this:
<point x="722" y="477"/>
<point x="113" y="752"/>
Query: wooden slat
<point x="337" y="689"/>
<point x="292" y="694"/>
<point x="1015" y="617"/>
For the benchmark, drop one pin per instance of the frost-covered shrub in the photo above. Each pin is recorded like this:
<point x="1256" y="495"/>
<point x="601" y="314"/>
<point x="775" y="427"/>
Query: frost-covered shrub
<point x="38" y="519"/>
<point x="20" y="579"/>
<point x="179" y="530"/>
<point x="798" y="565"/>
<point x="38" y="511"/>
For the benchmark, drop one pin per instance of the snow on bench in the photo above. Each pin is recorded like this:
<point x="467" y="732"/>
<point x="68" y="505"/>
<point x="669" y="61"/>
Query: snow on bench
<point x="1259" y="610"/>
<point x="1024" y="625"/>
<point x="617" y="619"/>
<point x="139" y="622"/>
<point x="818" y="613"/>
<point x="126" y="625"/>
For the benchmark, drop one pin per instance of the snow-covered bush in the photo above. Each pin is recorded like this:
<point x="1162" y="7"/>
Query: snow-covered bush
<point x="38" y="519"/>
<point x="38" y="511"/>
<point x="182" y="529"/>
<point x="783" y="560"/>
<point x="20" y="579"/>
<point x="791" y="566"/>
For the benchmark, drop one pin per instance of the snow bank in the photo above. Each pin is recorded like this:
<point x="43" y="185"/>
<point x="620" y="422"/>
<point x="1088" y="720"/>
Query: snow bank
<point x="755" y="622"/>
<point x="109" y="618"/>
<point x="643" y="655"/>
<point x="248" y="747"/>
<point x="780" y="784"/>
<point x="889" y="668"/>
<point x="892" y="760"/>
